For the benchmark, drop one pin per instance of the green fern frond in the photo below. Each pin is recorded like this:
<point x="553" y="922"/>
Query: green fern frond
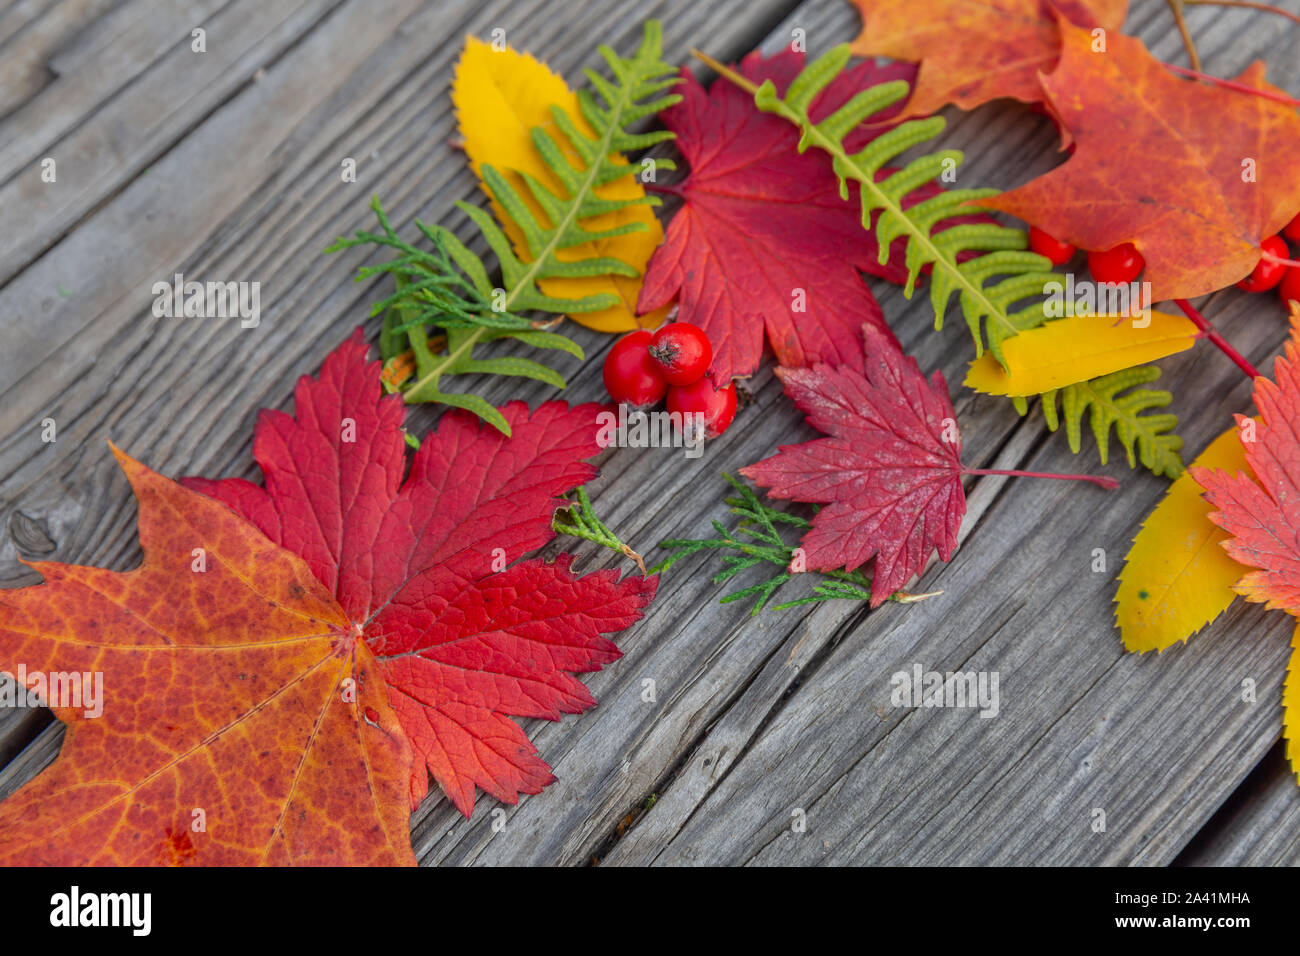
<point x="989" y="286"/>
<point x="1145" y="438"/>
<point x="449" y="288"/>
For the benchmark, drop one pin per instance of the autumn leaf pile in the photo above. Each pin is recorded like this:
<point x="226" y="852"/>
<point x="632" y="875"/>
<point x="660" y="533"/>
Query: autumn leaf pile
<point x="295" y="659"/>
<point x="352" y="633"/>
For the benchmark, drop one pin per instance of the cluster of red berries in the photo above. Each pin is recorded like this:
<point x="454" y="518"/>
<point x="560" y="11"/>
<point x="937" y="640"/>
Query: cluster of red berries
<point x="643" y="367"/>
<point x="1269" y="273"/>
<point x="1121" y="264"/>
<point x="1124" y="263"/>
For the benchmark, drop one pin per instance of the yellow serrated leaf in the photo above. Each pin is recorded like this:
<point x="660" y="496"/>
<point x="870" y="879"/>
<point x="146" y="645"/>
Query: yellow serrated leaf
<point x="1291" y="704"/>
<point x="1077" y="349"/>
<point x="499" y="97"/>
<point x="1177" y="578"/>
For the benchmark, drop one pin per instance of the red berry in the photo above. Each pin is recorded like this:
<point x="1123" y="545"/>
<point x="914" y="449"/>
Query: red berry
<point x="1054" y="249"/>
<point x="717" y="405"/>
<point x="1121" y="264"/>
<point x="1267" y="273"/>
<point x="1292" y="229"/>
<point x="1290" y="288"/>
<point x="631" y="375"/>
<point x="682" y="351"/>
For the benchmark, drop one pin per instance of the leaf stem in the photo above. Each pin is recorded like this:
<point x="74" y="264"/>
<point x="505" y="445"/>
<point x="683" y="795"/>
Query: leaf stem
<point x="1280" y="261"/>
<point x="1211" y="333"/>
<point x="1245" y="4"/>
<point x="1177" y="7"/>
<point x="1110" y="484"/>
<point x="1234" y="85"/>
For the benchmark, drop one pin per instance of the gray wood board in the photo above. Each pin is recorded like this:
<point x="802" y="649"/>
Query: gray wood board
<point x="752" y="718"/>
<point x="1258" y="825"/>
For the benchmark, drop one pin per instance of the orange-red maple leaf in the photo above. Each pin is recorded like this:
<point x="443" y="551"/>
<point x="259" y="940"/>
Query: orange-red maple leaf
<point x="974" y="51"/>
<point x="241" y="720"/>
<point x="422" y="566"/>
<point x="1195" y="176"/>
<point x="1263" y="515"/>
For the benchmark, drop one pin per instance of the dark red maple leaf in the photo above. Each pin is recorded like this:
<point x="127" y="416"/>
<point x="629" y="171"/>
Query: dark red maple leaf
<point x="760" y="220"/>
<point x="889" y="473"/>
<point x="423" y="567"/>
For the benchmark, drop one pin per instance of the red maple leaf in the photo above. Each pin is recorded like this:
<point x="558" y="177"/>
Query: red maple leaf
<point x="1263" y="517"/>
<point x="888" y="476"/>
<point x="760" y="220"/>
<point x="422" y="567"/>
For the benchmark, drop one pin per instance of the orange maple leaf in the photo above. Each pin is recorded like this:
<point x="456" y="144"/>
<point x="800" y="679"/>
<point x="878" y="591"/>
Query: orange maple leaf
<point x="974" y="52"/>
<point x="1195" y="176"/>
<point x="246" y="720"/>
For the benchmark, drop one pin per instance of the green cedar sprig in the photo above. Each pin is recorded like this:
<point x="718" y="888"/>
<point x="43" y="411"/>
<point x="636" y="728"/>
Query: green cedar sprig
<point x="758" y="540"/>
<point x="580" y="521"/>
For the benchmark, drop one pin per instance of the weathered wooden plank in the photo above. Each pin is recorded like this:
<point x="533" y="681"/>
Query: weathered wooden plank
<point x="20" y="15"/>
<point x="18" y="725"/>
<point x="750" y="715"/>
<point x="90" y="68"/>
<point x="138" y="125"/>
<point x="199" y="182"/>
<point x="31" y="760"/>
<point x="1258" y="826"/>
<point x="26" y="47"/>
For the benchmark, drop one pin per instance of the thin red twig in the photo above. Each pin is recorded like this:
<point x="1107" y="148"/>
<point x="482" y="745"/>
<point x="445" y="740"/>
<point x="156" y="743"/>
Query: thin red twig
<point x="1234" y="85"/>
<point x="1246" y="4"/>
<point x="1110" y="484"/>
<point x="1213" y="335"/>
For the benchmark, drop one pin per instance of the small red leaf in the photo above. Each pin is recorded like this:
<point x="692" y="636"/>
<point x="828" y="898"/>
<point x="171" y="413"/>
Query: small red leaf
<point x="889" y="473"/>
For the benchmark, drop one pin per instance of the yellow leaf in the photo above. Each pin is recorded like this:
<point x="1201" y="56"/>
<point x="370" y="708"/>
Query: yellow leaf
<point x="1291" y="704"/>
<point x="500" y="96"/>
<point x="1077" y="349"/>
<point x="1177" y="578"/>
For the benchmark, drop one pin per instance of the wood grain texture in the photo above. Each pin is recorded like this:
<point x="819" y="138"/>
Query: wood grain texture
<point x="30" y="37"/>
<point x="1259" y="825"/>
<point x="746" y="719"/>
